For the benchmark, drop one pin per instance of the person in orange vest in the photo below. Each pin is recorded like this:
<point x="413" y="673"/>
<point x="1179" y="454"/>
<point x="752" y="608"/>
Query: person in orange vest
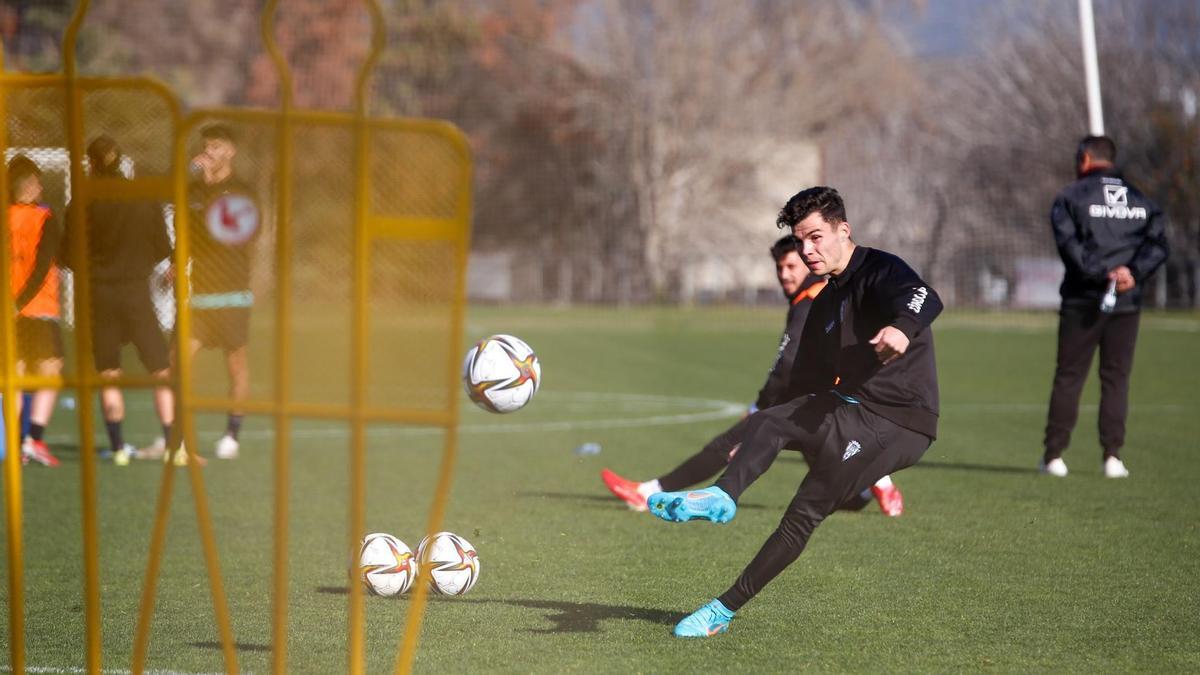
<point x="34" y="238"/>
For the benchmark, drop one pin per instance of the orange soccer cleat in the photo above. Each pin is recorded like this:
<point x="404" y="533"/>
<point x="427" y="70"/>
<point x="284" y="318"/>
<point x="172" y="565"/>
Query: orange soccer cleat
<point x="891" y="502"/>
<point x="625" y="489"/>
<point x="37" y="451"/>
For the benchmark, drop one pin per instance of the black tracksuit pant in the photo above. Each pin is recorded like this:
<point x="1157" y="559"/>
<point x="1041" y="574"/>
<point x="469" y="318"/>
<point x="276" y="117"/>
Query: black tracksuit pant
<point x="715" y="456"/>
<point x="1080" y="330"/>
<point x="848" y="448"/>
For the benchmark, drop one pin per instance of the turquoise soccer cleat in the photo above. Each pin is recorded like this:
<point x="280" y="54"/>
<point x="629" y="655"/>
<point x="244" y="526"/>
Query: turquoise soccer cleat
<point x="711" y="503"/>
<point x="707" y="621"/>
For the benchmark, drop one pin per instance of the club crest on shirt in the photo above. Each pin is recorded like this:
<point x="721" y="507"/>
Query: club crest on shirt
<point x="852" y="449"/>
<point x="232" y="219"/>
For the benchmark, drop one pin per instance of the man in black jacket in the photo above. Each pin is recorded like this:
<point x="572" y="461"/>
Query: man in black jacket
<point x="126" y="240"/>
<point x="862" y="405"/>
<point x="1111" y="239"/>
<point x="800" y="287"/>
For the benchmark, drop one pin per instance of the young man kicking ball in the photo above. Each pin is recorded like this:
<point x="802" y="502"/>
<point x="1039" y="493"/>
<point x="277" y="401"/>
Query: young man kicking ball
<point x="863" y="404"/>
<point x="800" y="288"/>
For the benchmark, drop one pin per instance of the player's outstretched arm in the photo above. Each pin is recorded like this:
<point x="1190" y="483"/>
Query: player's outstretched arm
<point x="911" y="304"/>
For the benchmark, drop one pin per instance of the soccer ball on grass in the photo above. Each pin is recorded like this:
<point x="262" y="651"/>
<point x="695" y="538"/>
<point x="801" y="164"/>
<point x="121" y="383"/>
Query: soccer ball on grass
<point x="386" y="565"/>
<point x="450" y="561"/>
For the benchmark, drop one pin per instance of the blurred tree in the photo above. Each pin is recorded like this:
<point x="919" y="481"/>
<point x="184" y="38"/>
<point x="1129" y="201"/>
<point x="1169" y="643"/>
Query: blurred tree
<point x="324" y="43"/>
<point x="32" y="31"/>
<point x="711" y="91"/>
<point x="201" y="48"/>
<point x="616" y="139"/>
<point x="550" y="188"/>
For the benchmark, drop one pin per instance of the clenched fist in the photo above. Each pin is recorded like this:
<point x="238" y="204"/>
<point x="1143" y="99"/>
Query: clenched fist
<point x="890" y="344"/>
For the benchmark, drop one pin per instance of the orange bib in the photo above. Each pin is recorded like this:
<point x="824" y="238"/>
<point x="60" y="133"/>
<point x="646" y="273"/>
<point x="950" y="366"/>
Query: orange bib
<point x="27" y="222"/>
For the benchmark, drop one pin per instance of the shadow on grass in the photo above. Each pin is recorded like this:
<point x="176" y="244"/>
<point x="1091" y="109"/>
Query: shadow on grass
<point x="567" y="617"/>
<point x="240" y="646"/>
<point x="585" y="617"/>
<point x="964" y="466"/>
<point x="603" y="501"/>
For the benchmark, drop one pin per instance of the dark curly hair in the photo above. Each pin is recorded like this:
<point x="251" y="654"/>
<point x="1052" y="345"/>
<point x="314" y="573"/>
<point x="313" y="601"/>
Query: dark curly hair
<point x="219" y="131"/>
<point x="821" y="199"/>
<point x="784" y="246"/>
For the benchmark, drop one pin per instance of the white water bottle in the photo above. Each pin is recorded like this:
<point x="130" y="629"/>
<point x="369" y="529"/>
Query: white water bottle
<point x="1110" y="297"/>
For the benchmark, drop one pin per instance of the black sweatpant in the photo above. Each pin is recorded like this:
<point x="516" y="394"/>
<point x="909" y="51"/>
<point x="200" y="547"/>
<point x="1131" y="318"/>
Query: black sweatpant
<point x="1080" y="331"/>
<point x="715" y="456"/>
<point x="848" y="448"/>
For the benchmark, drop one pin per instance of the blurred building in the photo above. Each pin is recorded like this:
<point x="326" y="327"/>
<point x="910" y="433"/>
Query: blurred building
<point x="725" y="258"/>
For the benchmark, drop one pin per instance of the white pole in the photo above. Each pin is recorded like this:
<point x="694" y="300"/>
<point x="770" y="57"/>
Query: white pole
<point x="1091" y="68"/>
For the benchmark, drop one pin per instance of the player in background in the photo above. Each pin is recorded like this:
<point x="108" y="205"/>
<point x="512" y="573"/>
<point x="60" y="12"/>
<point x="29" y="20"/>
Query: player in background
<point x="863" y="404"/>
<point x="221" y="298"/>
<point x="34" y="241"/>
<point x="800" y="288"/>
<point x="1111" y="239"/>
<point x="126" y="240"/>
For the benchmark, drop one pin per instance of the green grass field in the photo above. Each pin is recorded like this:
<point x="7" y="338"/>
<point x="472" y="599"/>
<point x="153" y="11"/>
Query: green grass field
<point x="992" y="567"/>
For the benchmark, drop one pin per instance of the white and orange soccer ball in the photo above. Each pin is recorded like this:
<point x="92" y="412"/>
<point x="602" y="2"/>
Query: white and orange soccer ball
<point x="450" y="561"/>
<point x="386" y="565"/>
<point x="501" y="374"/>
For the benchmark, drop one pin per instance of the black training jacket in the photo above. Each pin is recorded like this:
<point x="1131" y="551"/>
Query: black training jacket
<point x="1100" y="222"/>
<point x="126" y="239"/>
<point x="876" y="289"/>
<point x="774" y="391"/>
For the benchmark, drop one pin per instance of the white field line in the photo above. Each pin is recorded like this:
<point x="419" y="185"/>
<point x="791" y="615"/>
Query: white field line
<point x="709" y="409"/>
<point x="698" y="410"/>
<point x="57" y="670"/>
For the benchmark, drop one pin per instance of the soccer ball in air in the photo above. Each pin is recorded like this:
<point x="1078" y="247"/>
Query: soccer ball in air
<point x="501" y="374"/>
<point x="386" y="565"/>
<point x="451" y="561"/>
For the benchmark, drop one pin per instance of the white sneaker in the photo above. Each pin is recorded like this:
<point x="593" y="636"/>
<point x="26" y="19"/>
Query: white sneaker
<point x="155" y="450"/>
<point x="1115" y="468"/>
<point x="227" y="447"/>
<point x="1055" y="467"/>
<point x="125" y="453"/>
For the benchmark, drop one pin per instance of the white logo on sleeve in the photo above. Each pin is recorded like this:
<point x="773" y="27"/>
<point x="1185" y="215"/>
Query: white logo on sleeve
<point x="852" y="449"/>
<point x="918" y="300"/>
